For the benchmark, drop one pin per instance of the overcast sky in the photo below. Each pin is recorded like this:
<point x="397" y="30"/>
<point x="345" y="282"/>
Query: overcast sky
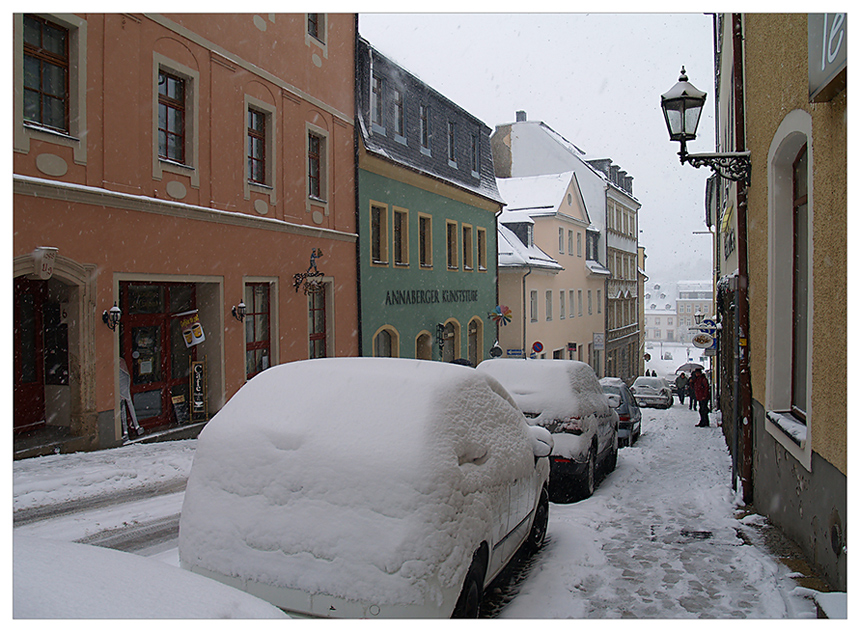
<point x="596" y="79"/>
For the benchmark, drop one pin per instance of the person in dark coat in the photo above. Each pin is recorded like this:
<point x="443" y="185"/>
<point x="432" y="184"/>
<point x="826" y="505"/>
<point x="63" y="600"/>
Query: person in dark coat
<point x="702" y="391"/>
<point x="690" y="393"/>
<point x="681" y="386"/>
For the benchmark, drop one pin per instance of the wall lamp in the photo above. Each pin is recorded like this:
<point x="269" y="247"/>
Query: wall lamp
<point x="111" y="317"/>
<point x="239" y="311"/>
<point x="682" y="107"/>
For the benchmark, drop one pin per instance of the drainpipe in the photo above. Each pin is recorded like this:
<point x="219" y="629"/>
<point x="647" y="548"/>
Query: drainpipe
<point x="525" y="357"/>
<point x="745" y="408"/>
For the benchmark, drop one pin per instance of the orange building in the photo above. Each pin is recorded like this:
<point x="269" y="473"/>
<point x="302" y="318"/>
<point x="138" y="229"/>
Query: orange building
<point x="185" y="168"/>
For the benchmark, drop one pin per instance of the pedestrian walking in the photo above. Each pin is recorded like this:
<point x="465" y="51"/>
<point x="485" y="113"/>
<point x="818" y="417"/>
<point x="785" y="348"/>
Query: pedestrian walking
<point x="702" y="391"/>
<point x="681" y="386"/>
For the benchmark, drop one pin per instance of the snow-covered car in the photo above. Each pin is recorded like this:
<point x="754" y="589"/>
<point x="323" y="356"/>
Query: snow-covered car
<point x="565" y="397"/>
<point x="366" y="488"/>
<point x="629" y="415"/>
<point x="652" y="391"/>
<point x="66" y="580"/>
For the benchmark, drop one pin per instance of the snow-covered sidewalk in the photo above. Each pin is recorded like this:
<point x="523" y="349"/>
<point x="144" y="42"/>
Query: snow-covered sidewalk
<point x="659" y="539"/>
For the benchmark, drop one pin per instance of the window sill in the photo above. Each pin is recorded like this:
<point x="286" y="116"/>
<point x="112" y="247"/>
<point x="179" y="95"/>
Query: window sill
<point x="400" y="139"/>
<point x="425" y="151"/>
<point x="173" y="163"/>
<point x="316" y="199"/>
<point x="260" y="185"/>
<point x="789" y="425"/>
<point x="452" y="164"/>
<point x="35" y="127"/>
<point x="377" y="129"/>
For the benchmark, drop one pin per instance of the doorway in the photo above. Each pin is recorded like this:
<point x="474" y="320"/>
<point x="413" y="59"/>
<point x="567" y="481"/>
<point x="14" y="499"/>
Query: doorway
<point x="29" y="354"/>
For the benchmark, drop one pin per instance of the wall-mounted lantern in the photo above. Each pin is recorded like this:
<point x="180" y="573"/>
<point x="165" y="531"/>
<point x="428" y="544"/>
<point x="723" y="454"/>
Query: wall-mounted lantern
<point x="239" y="311"/>
<point x="682" y="109"/>
<point x="111" y="317"/>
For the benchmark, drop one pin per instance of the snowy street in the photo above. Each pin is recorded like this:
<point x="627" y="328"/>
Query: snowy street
<point x="659" y="538"/>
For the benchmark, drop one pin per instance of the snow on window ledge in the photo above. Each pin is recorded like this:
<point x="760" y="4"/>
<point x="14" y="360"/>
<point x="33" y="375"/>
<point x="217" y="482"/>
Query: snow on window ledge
<point x="795" y="430"/>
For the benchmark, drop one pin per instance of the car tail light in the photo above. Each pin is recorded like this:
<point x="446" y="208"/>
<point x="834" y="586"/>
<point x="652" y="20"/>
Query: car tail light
<point x="561" y="459"/>
<point x="623" y="417"/>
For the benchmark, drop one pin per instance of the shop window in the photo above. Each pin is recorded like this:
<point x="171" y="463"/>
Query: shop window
<point x="318" y="334"/>
<point x="257" y="328"/>
<point x="476" y="340"/>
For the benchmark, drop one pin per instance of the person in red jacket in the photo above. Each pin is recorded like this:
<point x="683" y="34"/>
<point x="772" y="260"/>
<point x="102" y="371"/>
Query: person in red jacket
<point x="702" y="393"/>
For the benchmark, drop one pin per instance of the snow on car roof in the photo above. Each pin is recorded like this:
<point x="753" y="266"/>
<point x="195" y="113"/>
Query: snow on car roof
<point x="351" y="476"/>
<point x="557" y="387"/>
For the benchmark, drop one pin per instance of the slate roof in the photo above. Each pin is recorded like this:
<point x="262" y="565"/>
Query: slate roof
<point x="514" y="253"/>
<point x="406" y="151"/>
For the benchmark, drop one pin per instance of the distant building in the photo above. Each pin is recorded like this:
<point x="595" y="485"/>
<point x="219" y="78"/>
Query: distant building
<point x="427" y="206"/>
<point x="530" y="148"/>
<point x="671" y="308"/>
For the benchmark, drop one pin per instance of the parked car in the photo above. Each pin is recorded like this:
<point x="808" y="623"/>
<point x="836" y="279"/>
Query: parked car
<point x="652" y="391"/>
<point x="629" y="415"/>
<point x="565" y="397"/>
<point x="366" y="488"/>
<point x="52" y="579"/>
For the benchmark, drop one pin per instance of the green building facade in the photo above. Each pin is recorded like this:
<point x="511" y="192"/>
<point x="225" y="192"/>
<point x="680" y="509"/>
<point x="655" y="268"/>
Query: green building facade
<point x="427" y="208"/>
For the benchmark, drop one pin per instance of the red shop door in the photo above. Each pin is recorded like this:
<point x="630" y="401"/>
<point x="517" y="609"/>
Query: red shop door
<point x="153" y="348"/>
<point x="29" y="359"/>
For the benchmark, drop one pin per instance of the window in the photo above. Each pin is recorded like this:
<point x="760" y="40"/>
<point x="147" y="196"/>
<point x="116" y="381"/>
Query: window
<point x="570" y="242"/>
<point x="425" y="241"/>
<point x="451" y="245"/>
<point x="533" y="306"/>
<point x="317" y="325"/>
<point x="669" y="322"/>
<point x="599" y="303"/>
<point x="46" y="73"/>
<point x="452" y="130"/>
<point x="398" y="114"/>
<point x="315" y="164"/>
<point x="401" y="237"/>
<point x="376" y="103"/>
<point x="316" y="26"/>
<point x="561" y="241"/>
<point x="800" y="287"/>
<point x="378" y="235"/>
<point x="256" y="146"/>
<point x="589" y="303"/>
<point x="476" y="154"/>
<point x="570" y="302"/>
<point x="386" y="343"/>
<point x="257" y="328"/>
<point x="561" y="305"/>
<point x="171" y="117"/>
<point x="468" y="248"/>
<point x="424" y="126"/>
<point x="549" y="304"/>
<point x="578" y="244"/>
<point x="482" y="249"/>
<point x="579" y="302"/>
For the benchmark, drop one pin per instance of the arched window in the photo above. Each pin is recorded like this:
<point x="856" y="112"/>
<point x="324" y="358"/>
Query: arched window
<point x="386" y="343"/>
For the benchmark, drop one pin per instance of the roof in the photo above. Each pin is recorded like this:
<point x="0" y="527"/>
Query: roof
<point x="514" y="253"/>
<point x="534" y="192"/>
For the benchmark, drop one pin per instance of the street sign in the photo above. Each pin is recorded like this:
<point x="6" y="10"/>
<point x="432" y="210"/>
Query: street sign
<point x="537" y="347"/>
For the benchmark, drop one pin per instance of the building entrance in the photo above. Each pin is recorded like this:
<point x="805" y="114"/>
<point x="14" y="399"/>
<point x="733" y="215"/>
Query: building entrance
<point x="154" y="351"/>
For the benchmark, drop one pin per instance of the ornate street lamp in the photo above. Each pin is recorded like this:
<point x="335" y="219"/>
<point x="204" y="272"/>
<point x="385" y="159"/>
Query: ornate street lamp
<point x="682" y="109"/>
<point x="111" y="317"/>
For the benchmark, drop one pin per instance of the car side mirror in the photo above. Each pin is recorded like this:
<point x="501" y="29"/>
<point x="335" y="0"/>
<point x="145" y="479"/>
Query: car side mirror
<point x="541" y="441"/>
<point x="614" y="400"/>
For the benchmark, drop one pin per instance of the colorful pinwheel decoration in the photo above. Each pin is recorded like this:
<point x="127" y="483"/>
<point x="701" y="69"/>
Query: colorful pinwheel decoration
<point x="501" y="315"/>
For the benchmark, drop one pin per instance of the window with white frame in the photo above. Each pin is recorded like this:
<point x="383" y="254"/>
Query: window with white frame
<point x="549" y="305"/>
<point x="533" y="306"/>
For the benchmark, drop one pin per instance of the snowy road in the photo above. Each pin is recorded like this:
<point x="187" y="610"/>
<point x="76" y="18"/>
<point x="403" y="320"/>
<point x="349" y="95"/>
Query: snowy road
<point x="659" y="538"/>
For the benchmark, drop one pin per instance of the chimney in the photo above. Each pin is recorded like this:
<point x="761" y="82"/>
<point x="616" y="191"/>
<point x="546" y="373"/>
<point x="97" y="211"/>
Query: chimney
<point x="521" y="116"/>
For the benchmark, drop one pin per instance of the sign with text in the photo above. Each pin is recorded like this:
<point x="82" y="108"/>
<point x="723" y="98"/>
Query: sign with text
<point x="192" y="330"/>
<point x="827" y="54"/>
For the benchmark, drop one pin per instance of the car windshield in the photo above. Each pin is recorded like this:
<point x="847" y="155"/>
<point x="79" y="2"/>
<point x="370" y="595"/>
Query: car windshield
<point x="612" y="390"/>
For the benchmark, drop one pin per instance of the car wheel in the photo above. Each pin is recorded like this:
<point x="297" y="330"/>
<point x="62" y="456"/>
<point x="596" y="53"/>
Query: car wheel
<point x="612" y="459"/>
<point x="469" y="603"/>
<point x="538" y="533"/>
<point x="587" y="486"/>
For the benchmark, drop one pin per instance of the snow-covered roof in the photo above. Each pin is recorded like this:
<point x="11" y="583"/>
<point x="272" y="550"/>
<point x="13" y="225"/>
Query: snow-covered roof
<point x="514" y="253"/>
<point x="595" y="267"/>
<point x="534" y="193"/>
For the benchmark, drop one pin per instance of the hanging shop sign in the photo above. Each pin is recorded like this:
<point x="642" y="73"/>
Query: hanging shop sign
<point x="43" y="261"/>
<point x="599" y="341"/>
<point x="192" y="330"/>
<point x="311" y="279"/>
<point x="703" y="340"/>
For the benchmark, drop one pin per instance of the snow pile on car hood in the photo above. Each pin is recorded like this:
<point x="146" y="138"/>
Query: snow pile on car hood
<point x="365" y="478"/>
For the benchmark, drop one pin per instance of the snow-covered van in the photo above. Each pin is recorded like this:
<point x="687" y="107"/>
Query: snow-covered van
<point x="365" y="487"/>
